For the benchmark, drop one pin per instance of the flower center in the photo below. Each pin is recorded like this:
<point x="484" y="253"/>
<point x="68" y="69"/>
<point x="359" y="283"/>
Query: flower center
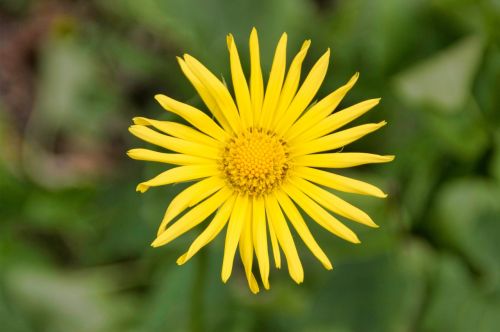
<point x="255" y="162"/>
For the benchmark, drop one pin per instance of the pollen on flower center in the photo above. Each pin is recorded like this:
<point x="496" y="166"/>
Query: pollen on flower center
<point x="255" y="162"/>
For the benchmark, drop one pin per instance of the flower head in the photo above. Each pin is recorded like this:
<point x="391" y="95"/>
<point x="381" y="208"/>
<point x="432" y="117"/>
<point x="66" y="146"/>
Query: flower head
<point x="261" y="158"/>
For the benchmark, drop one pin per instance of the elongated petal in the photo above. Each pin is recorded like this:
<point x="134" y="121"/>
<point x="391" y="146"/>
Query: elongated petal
<point x="320" y="110"/>
<point x="332" y="202"/>
<point x="246" y="251"/>
<point x="335" y="140"/>
<point x="291" y="83"/>
<point x="240" y="85"/>
<point x="194" y="116"/>
<point x="218" y="91"/>
<point x="179" y="174"/>
<point x="210" y="232"/>
<point x="193" y="217"/>
<point x="285" y="239"/>
<point x="174" y="144"/>
<point x="256" y="82"/>
<point x="168" y="158"/>
<point x="305" y="94"/>
<point x="205" y="95"/>
<point x="178" y="130"/>
<point x="300" y="226"/>
<point x="234" y="229"/>
<point x="260" y="238"/>
<point x="338" y="182"/>
<point x="340" y="159"/>
<point x="190" y="196"/>
<point x="274" y="241"/>
<point x="319" y="215"/>
<point x="275" y="83"/>
<point x="335" y="121"/>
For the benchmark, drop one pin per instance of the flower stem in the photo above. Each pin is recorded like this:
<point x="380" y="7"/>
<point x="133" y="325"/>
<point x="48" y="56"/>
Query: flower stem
<point x="198" y="293"/>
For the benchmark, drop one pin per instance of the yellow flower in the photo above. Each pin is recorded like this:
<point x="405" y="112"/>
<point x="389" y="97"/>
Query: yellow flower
<point x="258" y="160"/>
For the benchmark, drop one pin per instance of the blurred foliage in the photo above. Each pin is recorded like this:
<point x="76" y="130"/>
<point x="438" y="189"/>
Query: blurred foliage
<point x="74" y="235"/>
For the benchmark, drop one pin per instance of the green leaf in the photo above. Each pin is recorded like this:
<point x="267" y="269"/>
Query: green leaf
<point x="68" y="301"/>
<point x="456" y="302"/>
<point x="443" y="80"/>
<point x="495" y="160"/>
<point x="463" y="134"/>
<point x="466" y="218"/>
<point x="383" y="293"/>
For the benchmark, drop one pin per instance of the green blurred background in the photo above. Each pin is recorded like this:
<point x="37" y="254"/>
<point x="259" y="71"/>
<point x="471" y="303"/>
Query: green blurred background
<point x="74" y="234"/>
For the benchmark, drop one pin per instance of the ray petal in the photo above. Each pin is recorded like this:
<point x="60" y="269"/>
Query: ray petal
<point x="274" y="239"/>
<point x="319" y="215"/>
<point x="335" y="121"/>
<point x="210" y="232"/>
<point x="305" y="94"/>
<point x="218" y="91"/>
<point x="340" y="159"/>
<point x="240" y="84"/>
<point x="204" y="93"/>
<point x="190" y="196"/>
<point x="246" y="251"/>
<point x="256" y="82"/>
<point x="300" y="226"/>
<point x="332" y="202"/>
<point x="193" y="217"/>
<point x="194" y="116"/>
<point x="173" y="143"/>
<point x="260" y="238"/>
<point x="320" y="110"/>
<point x="178" y="130"/>
<point x="234" y="229"/>
<point x="285" y="239"/>
<point x="291" y="82"/>
<point x="273" y="88"/>
<point x="335" y="140"/>
<point x="179" y="174"/>
<point x="338" y="182"/>
<point x="168" y="158"/>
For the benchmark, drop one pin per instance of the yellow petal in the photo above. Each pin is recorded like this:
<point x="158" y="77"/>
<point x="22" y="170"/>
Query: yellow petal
<point x="240" y="84"/>
<point x="194" y="116"/>
<point x="340" y="159"/>
<point x="193" y="217"/>
<point x="274" y="83"/>
<point x="210" y="232"/>
<point x="190" y="196"/>
<point x="204" y="94"/>
<point x="305" y="94"/>
<point x="291" y="82"/>
<point x="285" y="239"/>
<point x="179" y="174"/>
<point x="320" y="110"/>
<point x="300" y="226"/>
<point x="332" y="202"/>
<point x="335" y="140"/>
<point x="178" y="130"/>
<point x="260" y="238"/>
<point x="246" y="251"/>
<point x="338" y="182"/>
<point x="174" y="144"/>
<point x="168" y="158"/>
<point x="256" y="82"/>
<point x="319" y="215"/>
<point x="218" y="91"/>
<point x="274" y="241"/>
<point x="335" y="121"/>
<point x="234" y="229"/>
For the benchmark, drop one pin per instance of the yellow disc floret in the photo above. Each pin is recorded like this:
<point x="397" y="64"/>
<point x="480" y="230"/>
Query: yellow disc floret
<point x="255" y="162"/>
